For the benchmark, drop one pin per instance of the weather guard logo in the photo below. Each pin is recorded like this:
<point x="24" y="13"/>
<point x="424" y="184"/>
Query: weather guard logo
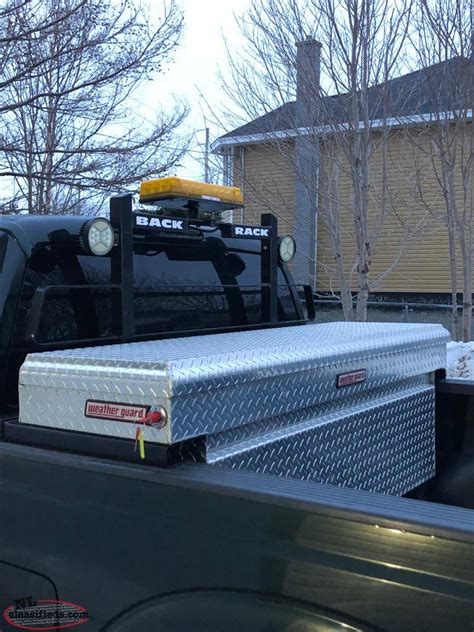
<point x="351" y="378"/>
<point x="116" y="412"/>
<point x="44" y="614"/>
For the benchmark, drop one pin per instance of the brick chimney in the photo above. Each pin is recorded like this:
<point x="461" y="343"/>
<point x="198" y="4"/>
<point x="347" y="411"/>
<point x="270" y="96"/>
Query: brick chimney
<point x="308" y="69"/>
<point x="308" y="64"/>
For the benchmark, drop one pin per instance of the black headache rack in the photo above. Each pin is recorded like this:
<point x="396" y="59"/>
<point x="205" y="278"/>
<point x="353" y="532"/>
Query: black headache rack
<point x="128" y="225"/>
<point x="87" y="337"/>
<point x="176" y="231"/>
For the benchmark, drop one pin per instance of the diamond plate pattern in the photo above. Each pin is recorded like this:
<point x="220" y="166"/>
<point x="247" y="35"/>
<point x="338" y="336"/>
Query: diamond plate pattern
<point x="386" y="446"/>
<point x="64" y="409"/>
<point x="209" y="384"/>
<point x="338" y="408"/>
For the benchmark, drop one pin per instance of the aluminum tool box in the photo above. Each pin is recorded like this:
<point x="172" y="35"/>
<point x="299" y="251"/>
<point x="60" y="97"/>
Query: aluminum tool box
<point x="345" y="403"/>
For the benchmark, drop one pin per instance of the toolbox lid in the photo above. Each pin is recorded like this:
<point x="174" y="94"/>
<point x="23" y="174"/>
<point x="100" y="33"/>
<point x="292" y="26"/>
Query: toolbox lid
<point x="192" y="358"/>
<point x="207" y="384"/>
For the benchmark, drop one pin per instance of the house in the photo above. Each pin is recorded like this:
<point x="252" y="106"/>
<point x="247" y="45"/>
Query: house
<point x="272" y="158"/>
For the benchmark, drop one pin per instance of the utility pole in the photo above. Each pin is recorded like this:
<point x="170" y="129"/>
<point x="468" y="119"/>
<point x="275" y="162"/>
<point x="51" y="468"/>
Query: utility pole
<point x="206" y="157"/>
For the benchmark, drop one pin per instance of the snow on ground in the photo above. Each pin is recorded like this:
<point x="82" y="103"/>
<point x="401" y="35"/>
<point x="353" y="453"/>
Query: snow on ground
<point x="461" y="360"/>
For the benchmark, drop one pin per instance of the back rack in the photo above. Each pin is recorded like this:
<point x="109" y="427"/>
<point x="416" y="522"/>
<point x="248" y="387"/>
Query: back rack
<point x="126" y="224"/>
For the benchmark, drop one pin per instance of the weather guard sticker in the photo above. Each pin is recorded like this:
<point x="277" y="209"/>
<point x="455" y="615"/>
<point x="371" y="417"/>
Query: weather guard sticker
<point x="129" y="413"/>
<point x="353" y="377"/>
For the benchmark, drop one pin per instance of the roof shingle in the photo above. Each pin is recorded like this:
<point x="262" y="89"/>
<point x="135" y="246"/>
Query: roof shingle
<point x="443" y="87"/>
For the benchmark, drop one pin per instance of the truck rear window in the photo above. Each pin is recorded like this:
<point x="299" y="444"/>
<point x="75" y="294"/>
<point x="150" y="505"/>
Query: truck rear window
<point x="196" y="287"/>
<point x="177" y="288"/>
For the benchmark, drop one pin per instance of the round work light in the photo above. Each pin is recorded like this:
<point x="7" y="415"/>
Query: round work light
<point x="97" y="236"/>
<point x="287" y="248"/>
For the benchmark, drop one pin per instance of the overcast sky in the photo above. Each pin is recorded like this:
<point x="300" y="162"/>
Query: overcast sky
<point x="195" y="67"/>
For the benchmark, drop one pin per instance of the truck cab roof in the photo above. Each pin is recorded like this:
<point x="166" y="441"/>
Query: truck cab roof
<point x="33" y="231"/>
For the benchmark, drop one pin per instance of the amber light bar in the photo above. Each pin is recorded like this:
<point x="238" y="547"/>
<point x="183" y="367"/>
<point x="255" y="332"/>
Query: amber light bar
<point x="163" y="189"/>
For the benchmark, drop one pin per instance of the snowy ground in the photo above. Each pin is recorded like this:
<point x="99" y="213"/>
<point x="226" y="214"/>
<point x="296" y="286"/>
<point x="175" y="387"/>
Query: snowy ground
<point x="461" y="360"/>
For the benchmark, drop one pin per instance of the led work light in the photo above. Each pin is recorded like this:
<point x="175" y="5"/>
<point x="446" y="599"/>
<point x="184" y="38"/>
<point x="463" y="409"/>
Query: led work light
<point x="286" y="248"/>
<point x="97" y="236"/>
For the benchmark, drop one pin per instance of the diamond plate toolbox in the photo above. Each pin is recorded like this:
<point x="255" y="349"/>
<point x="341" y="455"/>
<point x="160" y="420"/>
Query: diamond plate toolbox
<point x="237" y="387"/>
<point x="384" y="445"/>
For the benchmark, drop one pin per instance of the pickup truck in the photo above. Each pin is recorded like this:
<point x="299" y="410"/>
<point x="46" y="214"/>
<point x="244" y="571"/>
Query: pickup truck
<point x="98" y="533"/>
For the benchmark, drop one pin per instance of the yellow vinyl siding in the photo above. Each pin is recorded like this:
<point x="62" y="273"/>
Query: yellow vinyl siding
<point x="266" y="176"/>
<point x="410" y="233"/>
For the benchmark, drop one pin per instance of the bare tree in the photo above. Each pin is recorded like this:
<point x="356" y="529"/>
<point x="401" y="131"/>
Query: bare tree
<point x="442" y="44"/>
<point x="70" y="137"/>
<point x="12" y="35"/>
<point x="346" y="117"/>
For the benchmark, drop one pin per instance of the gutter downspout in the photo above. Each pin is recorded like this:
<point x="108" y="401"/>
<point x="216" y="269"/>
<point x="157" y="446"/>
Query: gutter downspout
<point x="228" y="157"/>
<point x="242" y="180"/>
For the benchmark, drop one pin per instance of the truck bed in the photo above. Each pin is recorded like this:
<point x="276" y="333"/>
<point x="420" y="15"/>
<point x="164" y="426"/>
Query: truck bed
<point x="144" y="548"/>
<point x="347" y="404"/>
